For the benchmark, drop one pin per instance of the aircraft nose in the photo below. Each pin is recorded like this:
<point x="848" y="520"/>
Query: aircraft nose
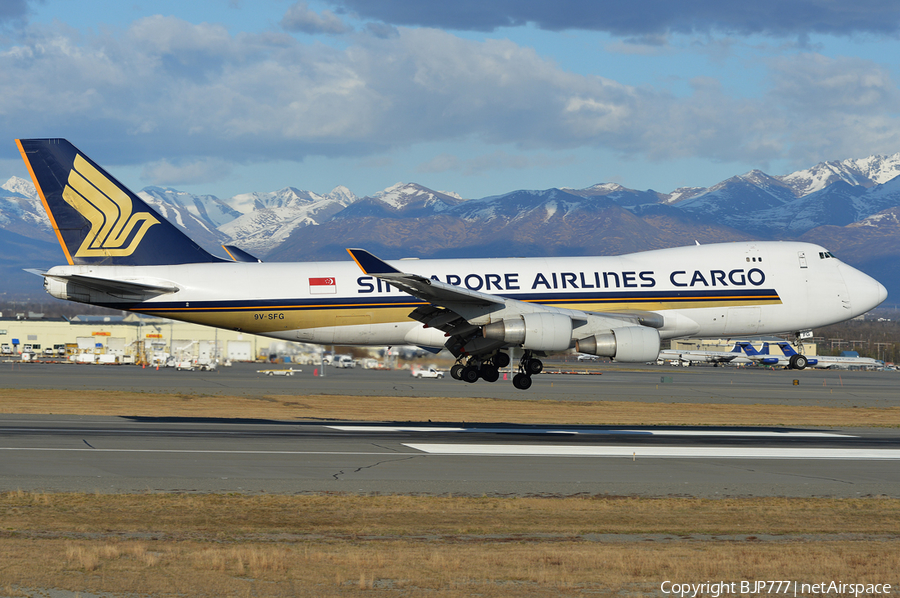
<point x="865" y="292"/>
<point x="881" y="293"/>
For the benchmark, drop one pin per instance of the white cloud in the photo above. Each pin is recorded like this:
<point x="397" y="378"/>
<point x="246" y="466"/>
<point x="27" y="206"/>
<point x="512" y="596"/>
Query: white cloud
<point x="169" y="88"/>
<point x="164" y="172"/>
<point x="836" y="107"/>
<point x="300" y="18"/>
<point x="493" y="162"/>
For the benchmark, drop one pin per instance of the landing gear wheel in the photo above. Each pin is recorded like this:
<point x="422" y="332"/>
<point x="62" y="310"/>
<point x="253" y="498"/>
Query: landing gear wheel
<point x="456" y="371"/>
<point x="534" y="366"/>
<point x="489" y="373"/>
<point x="798" y="362"/>
<point x="470" y="374"/>
<point x="501" y="360"/>
<point x="522" y="381"/>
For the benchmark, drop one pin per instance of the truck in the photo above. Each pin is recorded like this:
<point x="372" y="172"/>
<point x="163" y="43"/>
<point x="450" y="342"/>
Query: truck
<point x="343" y="361"/>
<point x="426" y="373"/>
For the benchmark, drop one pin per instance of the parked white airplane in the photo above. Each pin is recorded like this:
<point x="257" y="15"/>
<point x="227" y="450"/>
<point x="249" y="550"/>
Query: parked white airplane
<point x="121" y="254"/>
<point x="838" y="362"/>
<point x="736" y="355"/>
<point x="834" y="362"/>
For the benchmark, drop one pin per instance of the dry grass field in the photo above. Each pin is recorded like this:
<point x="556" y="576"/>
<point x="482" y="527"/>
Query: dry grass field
<point x="339" y="545"/>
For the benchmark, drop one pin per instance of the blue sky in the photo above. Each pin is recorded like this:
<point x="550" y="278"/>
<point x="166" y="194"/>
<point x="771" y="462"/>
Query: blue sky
<point x="473" y="97"/>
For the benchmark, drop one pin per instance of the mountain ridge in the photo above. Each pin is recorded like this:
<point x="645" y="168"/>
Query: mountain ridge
<point x="840" y="203"/>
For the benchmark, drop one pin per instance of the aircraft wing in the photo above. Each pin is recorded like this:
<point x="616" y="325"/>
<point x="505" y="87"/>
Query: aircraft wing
<point x="459" y="298"/>
<point x="433" y="291"/>
<point x="464" y="314"/>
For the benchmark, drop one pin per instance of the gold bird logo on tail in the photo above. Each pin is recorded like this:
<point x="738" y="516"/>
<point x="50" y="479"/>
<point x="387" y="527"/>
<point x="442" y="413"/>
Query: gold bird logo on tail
<point x="108" y="209"/>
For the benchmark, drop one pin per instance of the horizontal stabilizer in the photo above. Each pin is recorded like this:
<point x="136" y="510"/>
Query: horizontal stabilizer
<point x="107" y="285"/>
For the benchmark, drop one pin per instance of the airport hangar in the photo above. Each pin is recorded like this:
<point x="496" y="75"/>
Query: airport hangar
<point x="131" y="335"/>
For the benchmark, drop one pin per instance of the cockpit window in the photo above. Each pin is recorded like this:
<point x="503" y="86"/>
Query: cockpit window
<point x="823" y="255"/>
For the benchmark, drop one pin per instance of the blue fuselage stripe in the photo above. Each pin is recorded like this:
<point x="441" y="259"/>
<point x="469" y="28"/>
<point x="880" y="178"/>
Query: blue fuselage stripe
<point x="712" y="297"/>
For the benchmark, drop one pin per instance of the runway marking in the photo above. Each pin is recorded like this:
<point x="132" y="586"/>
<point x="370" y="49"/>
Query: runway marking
<point x="655" y="452"/>
<point x="586" y="431"/>
<point x="192" y="451"/>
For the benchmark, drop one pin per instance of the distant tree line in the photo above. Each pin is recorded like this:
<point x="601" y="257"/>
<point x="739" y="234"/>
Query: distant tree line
<point x="54" y="308"/>
<point x="878" y="336"/>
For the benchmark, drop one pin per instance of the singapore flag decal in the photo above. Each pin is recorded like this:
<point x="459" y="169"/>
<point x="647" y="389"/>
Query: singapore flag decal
<point x="322" y="286"/>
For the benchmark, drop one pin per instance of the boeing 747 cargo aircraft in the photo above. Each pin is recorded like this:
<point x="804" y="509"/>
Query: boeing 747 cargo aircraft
<point x="123" y="255"/>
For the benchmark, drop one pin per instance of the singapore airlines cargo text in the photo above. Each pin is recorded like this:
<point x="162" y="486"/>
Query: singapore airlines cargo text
<point x="593" y="280"/>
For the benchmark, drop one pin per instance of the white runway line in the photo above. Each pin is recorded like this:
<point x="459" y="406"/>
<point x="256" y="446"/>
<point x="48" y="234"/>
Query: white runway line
<point x="598" y="431"/>
<point x="654" y="452"/>
<point x="191" y="451"/>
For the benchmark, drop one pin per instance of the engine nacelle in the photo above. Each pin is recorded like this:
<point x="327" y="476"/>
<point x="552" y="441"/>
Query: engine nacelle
<point x="631" y="344"/>
<point x="540" y="331"/>
<point x="69" y="291"/>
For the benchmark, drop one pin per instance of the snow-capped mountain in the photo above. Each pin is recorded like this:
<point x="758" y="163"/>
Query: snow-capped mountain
<point x="270" y="218"/>
<point x="208" y="209"/>
<point x="733" y="199"/>
<point x="21" y="211"/>
<point x="18" y="186"/>
<point x="865" y="172"/>
<point x="407" y="200"/>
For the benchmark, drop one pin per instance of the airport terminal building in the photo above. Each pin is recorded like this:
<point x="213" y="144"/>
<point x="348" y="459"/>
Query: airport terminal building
<point x="130" y="338"/>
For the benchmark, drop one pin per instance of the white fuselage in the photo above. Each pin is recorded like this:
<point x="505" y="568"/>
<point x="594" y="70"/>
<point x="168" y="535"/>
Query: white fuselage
<point x="828" y="362"/>
<point x="719" y="290"/>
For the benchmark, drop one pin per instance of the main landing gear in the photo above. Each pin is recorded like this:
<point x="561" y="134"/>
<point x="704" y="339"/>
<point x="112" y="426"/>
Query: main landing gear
<point x="798" y="362"/>
<point x="474" y="369"/>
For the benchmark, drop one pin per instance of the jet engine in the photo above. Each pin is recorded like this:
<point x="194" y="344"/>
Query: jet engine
<point x="62" y="289"/>
<point x="629" y="344"/>
<point x="540" y="331"/>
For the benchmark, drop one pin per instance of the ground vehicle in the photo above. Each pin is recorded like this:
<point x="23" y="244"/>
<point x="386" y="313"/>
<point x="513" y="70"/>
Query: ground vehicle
<point x="344" y="361"/>
<point x="6" y="349"/>
<point x="288" y="372"/>
<point x="426" y="373"/>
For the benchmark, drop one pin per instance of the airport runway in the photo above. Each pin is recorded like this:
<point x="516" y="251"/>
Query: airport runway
<point x="54" y="453"/>
<point x="116" y="454"/>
